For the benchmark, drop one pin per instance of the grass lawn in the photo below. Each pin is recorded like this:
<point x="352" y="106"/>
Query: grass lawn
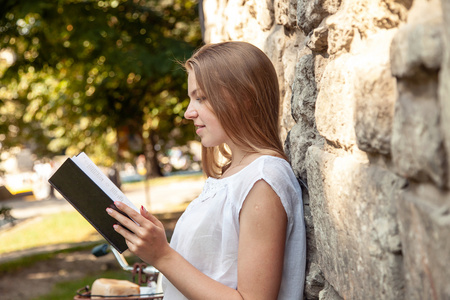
<point x="67" y="289"/>
<point x="60" y="228"/>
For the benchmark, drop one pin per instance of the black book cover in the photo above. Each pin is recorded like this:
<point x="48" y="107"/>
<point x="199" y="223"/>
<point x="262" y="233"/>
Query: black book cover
<point x="89" y="200"/>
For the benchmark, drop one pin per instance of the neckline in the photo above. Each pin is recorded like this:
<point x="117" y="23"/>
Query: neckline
<point x="241" y="170"/>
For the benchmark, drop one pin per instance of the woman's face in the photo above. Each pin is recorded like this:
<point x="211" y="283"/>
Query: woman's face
<point x="205" y="120"/>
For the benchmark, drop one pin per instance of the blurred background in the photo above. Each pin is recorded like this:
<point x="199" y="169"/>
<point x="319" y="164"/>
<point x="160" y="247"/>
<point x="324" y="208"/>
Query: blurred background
<point x="103" y="77"/>
<point x="100" y="77"/>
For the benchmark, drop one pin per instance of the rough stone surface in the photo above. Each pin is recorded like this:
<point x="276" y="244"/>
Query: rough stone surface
<point x="417" y="145"/>
<point x="416" y="56"/>
<point x="409" y="57"/>
<point x="318" y="39"/>
<point x="265" y="14"/>
<point x="358" y="255"/>
<point x="375" y="95"/>
<point x="340" y="30"/>
<point x="286" y="13"/>
<point x="328" y="293"/>
<point x="335" y="102"/>
<point x="357" y="19"/>
<point x="283" y="53"/>
<point x="303" y="100"/>
<point x="424" y="209"/>
<point x="304" y="91"/>
<point x="300" y="139"/>
<point x="214" y="20"/>
<point x="365" y="92"/>
<point x="311" y="13"/>
<point x="444" y="84"/>
<point x="314" y="282"/>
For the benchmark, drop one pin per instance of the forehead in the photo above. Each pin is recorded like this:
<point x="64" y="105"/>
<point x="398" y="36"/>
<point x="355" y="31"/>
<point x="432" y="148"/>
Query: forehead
<point x="192" y="83"/>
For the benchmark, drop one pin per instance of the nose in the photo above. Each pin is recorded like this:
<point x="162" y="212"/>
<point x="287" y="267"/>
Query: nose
<point x="190" y="113"/>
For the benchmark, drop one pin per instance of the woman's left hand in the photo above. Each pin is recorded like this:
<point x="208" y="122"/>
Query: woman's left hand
<point x="147" y="239"/>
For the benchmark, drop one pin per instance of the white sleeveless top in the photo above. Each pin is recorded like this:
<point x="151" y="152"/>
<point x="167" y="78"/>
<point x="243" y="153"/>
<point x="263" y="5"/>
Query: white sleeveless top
<point x="207" y="234"/>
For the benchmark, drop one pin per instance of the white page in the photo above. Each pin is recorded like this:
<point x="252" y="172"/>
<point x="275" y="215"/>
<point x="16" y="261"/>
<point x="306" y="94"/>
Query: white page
<point x="110" y="189"/>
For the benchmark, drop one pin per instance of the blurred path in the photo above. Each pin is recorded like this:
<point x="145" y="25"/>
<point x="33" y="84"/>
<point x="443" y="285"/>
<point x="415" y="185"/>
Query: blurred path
<point x="172" y="197"/>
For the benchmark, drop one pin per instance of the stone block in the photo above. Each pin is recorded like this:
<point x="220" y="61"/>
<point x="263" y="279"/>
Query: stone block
<point x="424" y="219"/>
<point x="318" y="39"/>
<point x="282" y="51"/>
<point x="341" y="29"/>
<point x="265" y="14"/>
<point x="335" y="102"/>
<point x="359" y="19"/>
<point x="286" y="13"/>
<point x="444" y="85"/>
<point x="328" y="293"/>
<point x="417" y="142"/>
<point x="311" y="13"/>
<point x="300" y="139"/>
<point x="357" y="236"/>
<point x="375" y="95"/>
<point x="308" y="72"/>
<point x="238" y="21"/>
<point x="416" y="47"/>
<point x="304" y="91"/>
<point x="214" y="21"/>
<point x="288" y="58"/>
<point x="416" y="56"/>
<point x="314" y="282"/>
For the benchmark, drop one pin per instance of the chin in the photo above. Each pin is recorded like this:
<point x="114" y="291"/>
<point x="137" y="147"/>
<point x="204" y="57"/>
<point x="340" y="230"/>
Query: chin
<point x="209" y="144"/>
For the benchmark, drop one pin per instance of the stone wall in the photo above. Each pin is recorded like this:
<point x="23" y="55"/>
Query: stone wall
<point x="365" y="86"/>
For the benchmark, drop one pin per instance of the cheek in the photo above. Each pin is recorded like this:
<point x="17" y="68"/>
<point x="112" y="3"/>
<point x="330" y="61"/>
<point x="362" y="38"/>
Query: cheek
<point x="220" y="131"/>
<point x="213" y="120"/>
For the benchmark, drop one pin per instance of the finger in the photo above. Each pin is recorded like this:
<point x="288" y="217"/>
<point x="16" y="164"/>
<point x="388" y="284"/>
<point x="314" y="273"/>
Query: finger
<point x="122" y="219"/>
<point x="128" y="235"/>
<point x="133" y="214"/>
<point x="128" y="210"/>
<point x="146" y="214"/>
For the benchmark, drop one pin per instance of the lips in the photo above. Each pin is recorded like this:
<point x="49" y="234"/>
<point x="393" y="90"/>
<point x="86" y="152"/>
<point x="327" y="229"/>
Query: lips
<point x="199" y="128"/>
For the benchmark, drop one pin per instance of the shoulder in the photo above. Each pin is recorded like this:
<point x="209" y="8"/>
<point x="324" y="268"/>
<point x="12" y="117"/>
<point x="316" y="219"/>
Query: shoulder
<point x="267" y="164"/>
<point x="274" y="164"/>
<point x="262" y="204"/>
<point x="278" y="176"/>
<point x="276" y="171"/>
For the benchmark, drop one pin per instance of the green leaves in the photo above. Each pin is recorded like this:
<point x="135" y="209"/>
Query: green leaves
<point x="83" y="69"/>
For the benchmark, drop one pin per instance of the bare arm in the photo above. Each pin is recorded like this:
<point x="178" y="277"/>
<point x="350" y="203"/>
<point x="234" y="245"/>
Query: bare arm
<point x="262" y="239"/>
<point x="260" y="256"/>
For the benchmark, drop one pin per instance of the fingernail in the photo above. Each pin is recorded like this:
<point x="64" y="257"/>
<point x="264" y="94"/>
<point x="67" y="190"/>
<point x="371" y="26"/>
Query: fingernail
<point x="143" y="208"/>
<point x="109" y="210"/>
<point x="117" y="203"/>
<point x="115" y="226"/>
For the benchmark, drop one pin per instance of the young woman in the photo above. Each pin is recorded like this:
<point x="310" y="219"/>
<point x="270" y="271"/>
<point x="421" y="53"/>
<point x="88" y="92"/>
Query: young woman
<point x="244" y="236"/>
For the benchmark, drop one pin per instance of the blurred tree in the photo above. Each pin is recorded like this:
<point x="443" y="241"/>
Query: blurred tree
<point x="96" y="76"/>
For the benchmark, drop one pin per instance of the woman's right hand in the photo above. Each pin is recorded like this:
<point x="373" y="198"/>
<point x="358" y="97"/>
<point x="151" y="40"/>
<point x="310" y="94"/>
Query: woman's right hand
<point x="147" y="238"/>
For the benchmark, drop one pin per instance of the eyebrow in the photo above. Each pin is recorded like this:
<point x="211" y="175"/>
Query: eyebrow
<point x="193" y="93"/>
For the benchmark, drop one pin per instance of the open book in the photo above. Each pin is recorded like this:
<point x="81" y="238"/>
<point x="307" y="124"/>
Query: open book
<point x="90" y="192"/>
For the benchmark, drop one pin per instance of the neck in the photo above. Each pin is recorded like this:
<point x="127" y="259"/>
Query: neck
<point x="238" y="159"/>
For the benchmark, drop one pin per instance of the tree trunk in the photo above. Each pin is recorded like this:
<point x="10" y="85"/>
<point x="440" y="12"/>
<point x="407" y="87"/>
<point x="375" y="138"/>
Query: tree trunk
<point x="151" y="159"/>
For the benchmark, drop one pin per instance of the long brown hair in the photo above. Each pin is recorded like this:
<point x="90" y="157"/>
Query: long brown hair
<point x="241" y="85"/>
